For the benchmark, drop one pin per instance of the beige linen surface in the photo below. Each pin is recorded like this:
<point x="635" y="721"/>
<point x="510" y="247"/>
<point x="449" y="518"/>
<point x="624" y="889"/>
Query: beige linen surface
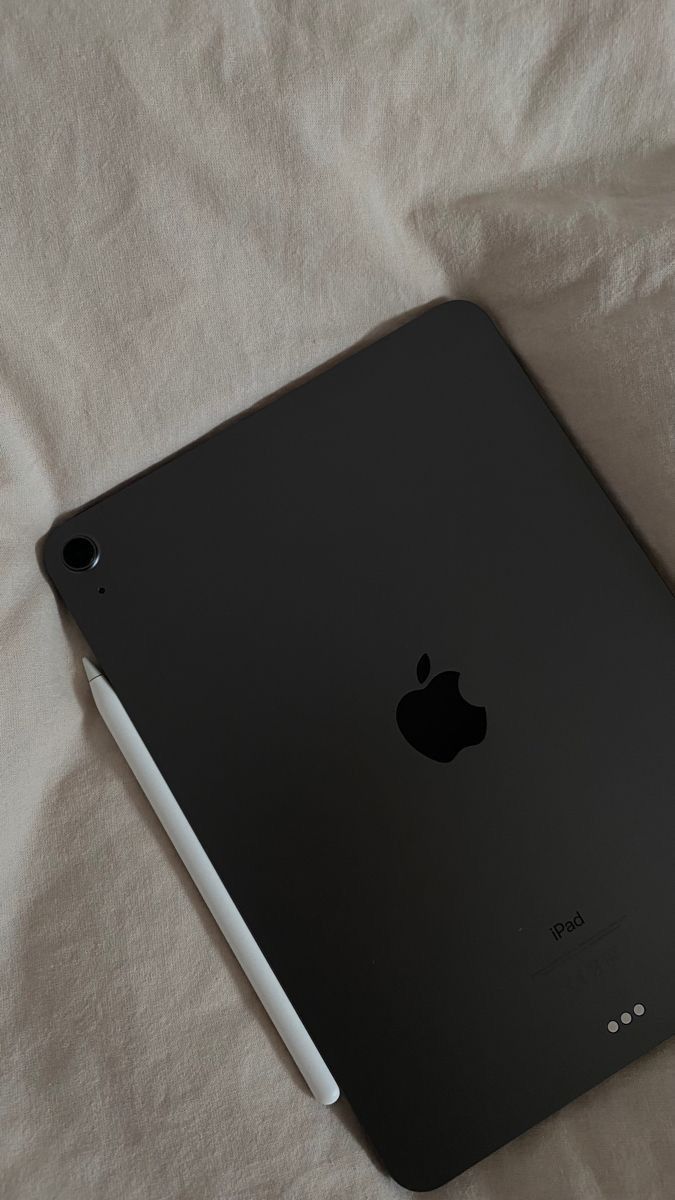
<point x="200" y="201"/>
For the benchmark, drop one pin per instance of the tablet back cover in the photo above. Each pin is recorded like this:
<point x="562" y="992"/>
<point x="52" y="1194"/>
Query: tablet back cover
<point x="411" y="679"/>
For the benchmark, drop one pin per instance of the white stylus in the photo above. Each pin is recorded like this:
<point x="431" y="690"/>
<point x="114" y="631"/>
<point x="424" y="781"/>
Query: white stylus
<point x="210" y="886"/>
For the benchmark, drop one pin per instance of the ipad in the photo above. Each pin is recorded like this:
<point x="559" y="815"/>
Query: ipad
<point x="411" y="679"/>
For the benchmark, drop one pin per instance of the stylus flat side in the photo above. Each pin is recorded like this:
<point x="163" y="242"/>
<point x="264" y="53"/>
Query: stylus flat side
<point x="208" y="883"/>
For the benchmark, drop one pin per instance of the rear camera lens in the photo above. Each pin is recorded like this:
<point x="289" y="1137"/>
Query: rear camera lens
<point x="80" y="553"/>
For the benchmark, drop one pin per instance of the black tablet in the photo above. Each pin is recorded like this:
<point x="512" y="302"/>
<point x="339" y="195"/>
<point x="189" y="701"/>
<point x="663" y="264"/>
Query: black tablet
<point x="411" y="679"/>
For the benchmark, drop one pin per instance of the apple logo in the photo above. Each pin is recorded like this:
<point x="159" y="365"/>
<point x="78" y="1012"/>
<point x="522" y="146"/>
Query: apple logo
<point x="436" y="719"/>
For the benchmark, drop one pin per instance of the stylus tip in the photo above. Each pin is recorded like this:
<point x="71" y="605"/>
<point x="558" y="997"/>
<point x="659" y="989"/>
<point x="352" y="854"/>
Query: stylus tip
<point x="89" y="669"/>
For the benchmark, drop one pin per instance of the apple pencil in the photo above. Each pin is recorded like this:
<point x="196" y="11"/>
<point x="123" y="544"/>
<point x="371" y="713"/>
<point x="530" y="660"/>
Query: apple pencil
<point x="212" y="890"/>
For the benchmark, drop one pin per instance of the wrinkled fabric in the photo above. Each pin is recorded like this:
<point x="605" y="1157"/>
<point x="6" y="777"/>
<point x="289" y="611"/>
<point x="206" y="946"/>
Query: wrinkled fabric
<point x="201" y="201"/>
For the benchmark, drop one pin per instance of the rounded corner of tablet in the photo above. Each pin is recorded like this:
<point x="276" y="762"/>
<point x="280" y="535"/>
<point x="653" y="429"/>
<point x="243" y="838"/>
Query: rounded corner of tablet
<point x="469" y="311"/>
<point x="51" y="546"/>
